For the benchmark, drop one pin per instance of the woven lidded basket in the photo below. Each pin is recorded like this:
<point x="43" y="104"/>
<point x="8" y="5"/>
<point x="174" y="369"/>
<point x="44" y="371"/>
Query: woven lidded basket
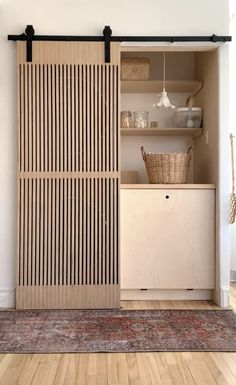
<point x="167" y="168"/>
<point x="135" y="69"/>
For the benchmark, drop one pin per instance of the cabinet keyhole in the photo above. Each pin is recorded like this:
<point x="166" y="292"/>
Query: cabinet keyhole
<point x="167" y="197"/>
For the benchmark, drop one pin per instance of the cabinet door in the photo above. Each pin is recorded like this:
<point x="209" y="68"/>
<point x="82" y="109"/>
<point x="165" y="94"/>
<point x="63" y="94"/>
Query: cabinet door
<point x="167" y="239"/>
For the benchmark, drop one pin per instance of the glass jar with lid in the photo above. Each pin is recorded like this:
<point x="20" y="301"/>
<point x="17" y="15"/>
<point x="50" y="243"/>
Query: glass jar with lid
<point x="126" y="119"/>
<point x="141" y="119"/>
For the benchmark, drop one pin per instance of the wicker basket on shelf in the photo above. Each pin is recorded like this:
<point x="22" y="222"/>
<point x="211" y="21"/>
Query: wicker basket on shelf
<point x="167" y="168"/>
<point x="135" y="69"/>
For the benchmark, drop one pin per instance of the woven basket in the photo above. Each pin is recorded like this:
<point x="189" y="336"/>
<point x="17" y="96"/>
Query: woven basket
<point x="167" y="168"/>
<point x="135" y="69"/>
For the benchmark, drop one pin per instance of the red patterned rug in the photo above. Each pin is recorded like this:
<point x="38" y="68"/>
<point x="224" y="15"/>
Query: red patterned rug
<point x="63" y="331"/>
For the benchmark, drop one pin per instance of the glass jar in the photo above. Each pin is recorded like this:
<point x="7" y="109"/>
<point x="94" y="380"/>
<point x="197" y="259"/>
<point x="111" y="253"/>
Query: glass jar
<point x="141" y="119"/>
<point x="126" y="119"/>
<point x="188" y="117"/>
<point x="154" y="124"/>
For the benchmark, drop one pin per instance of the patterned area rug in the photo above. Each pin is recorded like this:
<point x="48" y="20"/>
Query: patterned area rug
<point x="62" y="331"/>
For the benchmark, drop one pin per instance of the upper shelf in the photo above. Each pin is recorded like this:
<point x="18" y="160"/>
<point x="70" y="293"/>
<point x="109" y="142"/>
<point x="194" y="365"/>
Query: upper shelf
<point x="154" y="86"/>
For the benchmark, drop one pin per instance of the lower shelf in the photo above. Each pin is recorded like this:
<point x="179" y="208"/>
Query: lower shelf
<point x="194" y="132"/>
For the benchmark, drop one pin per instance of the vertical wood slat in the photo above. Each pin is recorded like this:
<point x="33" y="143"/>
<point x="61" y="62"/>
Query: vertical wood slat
<point x="72" y="235"/>
<point x="20" y="116"/>
<point x="80" y="198"/>
<point x="37" y="283"/>
<point x="100" y="232"/>
<point x="103" y="101"/>
<point x="54" y="265"/>
<point x="84" y="125"/>
<point x="80" y="109"/>
<point x="84" y="207"/>
<point x="41" y="231"/>
<point x="60" y="255"/>
<point x="21" y="239"/>
<point x="87" y="118"/>
<point x="95" y="115"/>
<point x="26" y="123"/>
<point x="29" y="219"/>
<point x="25" y="232"/>
<point x="68" y="108"/>
<point x="49" y="243"/>
<point x="92" y="233"/>
<point x="67" y="123"/>
<point x="99" y="118"/>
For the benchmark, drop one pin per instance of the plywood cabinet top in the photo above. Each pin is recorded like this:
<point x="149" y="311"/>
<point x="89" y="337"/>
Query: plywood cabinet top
<point x="169" y="186"/>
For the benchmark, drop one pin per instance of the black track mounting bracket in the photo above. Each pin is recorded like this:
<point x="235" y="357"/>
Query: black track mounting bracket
<point x="107" y="32"/>
<point x="29" y="33"/>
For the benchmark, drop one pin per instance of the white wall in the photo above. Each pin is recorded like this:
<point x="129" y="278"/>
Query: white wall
<point x="233" y="120"/>
<point x="134" y="17"/>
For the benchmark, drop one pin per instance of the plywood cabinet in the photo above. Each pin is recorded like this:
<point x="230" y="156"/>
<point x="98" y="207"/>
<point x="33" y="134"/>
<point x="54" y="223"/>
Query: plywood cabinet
<point x="167" y="238"/>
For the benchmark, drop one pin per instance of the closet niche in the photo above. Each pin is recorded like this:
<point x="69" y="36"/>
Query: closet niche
<point x="168" y="231"/>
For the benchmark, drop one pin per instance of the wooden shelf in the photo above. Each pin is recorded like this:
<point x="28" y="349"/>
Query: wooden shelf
<point x="189" y="186"/>
<point x="161" y="131"/>
<point x="154" y="86"/>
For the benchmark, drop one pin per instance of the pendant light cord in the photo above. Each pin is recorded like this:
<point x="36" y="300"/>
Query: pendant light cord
<point x="164" y="71"/>
<point x="232" y="162"/>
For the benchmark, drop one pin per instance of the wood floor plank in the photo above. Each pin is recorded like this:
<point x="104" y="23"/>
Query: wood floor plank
<point x="133" y="372"/>
<point x="27" y="374"/>
<point x="102" y="369"/>
<point x="163" y="369"/>
<point x="47" y="369"/>
<point x="152" y="304"/>
<point x="14" y="369"/>
<point x="5" y="362"/>
<point x="176" y="373"/>
<point x="201" y="373"/>
<point x="184" y="357"/>
<point x="151" y="367"/>
<point x="112" y="369"/>
<point x="82" y="369"/>
<point x="62" y="376"/>
<point x="166" y="304"/>
<point x="213" y="368"/>
<point x="122" y="369"/>
<point x="220" y="363"/>
<point x="142" y="369"/>
<point x="230" y="361"/>
<point x="71" y="370"/>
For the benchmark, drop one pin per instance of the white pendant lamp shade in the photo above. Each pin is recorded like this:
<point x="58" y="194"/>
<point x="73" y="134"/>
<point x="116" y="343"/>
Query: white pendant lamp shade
<point x="164" y="101"/>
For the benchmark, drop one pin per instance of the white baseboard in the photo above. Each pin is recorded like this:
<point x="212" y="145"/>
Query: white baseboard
<point x="224" y="296"/>
<point x="168" y="295"/>
<point x="7" y="298"/>
<point x="232" y="275"/>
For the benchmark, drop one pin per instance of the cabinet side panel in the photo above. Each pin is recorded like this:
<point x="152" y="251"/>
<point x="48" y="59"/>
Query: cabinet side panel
<point x="206" y="145"/>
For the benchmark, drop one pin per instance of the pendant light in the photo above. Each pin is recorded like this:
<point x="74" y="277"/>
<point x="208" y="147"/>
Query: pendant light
<point x="164" y="101"/>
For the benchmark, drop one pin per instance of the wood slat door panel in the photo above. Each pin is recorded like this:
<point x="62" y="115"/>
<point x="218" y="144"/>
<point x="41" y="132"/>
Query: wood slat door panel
<point x="68" y="184"/>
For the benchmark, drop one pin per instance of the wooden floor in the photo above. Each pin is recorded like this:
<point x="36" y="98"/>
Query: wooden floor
<point x="123" y="369"/>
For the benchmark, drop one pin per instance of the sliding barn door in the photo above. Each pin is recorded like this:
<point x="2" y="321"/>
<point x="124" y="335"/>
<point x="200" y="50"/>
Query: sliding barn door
<point x="68" y="176"/>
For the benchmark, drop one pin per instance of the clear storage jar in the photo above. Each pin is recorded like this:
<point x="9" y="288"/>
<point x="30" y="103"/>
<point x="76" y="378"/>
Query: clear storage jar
<point x="141" y="119"/>
<point x="188" y="117"/>
<point x="126" y="119"/>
